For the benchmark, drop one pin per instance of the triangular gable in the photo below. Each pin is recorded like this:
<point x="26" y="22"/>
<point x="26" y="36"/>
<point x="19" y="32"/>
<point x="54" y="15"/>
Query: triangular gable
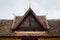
<point x="30" y="10"/>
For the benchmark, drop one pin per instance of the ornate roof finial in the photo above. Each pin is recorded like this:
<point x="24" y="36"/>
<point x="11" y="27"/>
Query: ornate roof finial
<point x="29" y="4"/>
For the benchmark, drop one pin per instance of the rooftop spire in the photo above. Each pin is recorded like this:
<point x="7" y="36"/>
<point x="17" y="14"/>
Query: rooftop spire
<point x="29" y="4"/>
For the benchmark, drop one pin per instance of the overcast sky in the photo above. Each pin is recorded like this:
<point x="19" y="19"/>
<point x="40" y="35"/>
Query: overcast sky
<point x="9" y="8"/>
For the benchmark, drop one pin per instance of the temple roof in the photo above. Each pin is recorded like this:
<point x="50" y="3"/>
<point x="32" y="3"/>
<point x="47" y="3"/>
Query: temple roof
<point x="6" y="26"/>
<point x="19" y="19"/>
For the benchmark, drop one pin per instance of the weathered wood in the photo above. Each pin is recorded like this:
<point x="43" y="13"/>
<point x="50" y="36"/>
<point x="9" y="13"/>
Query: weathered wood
<point x="30" y="24"/>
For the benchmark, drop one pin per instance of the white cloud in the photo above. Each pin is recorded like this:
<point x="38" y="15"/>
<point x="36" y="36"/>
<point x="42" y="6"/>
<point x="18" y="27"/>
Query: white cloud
<point x="19" y="7"/>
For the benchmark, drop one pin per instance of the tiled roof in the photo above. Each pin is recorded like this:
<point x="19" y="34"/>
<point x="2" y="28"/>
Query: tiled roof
<point x="54" y="29"/>
<point x="5" y="27"/>
<point x="41" y="21"/>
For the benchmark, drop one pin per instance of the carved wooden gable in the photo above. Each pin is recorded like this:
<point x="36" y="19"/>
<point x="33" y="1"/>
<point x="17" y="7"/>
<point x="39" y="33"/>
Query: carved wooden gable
<point x="29" y="23"/>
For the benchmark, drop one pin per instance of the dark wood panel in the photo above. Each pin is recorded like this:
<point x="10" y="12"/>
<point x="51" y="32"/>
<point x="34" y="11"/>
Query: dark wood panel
<point x="30" y="24"/>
